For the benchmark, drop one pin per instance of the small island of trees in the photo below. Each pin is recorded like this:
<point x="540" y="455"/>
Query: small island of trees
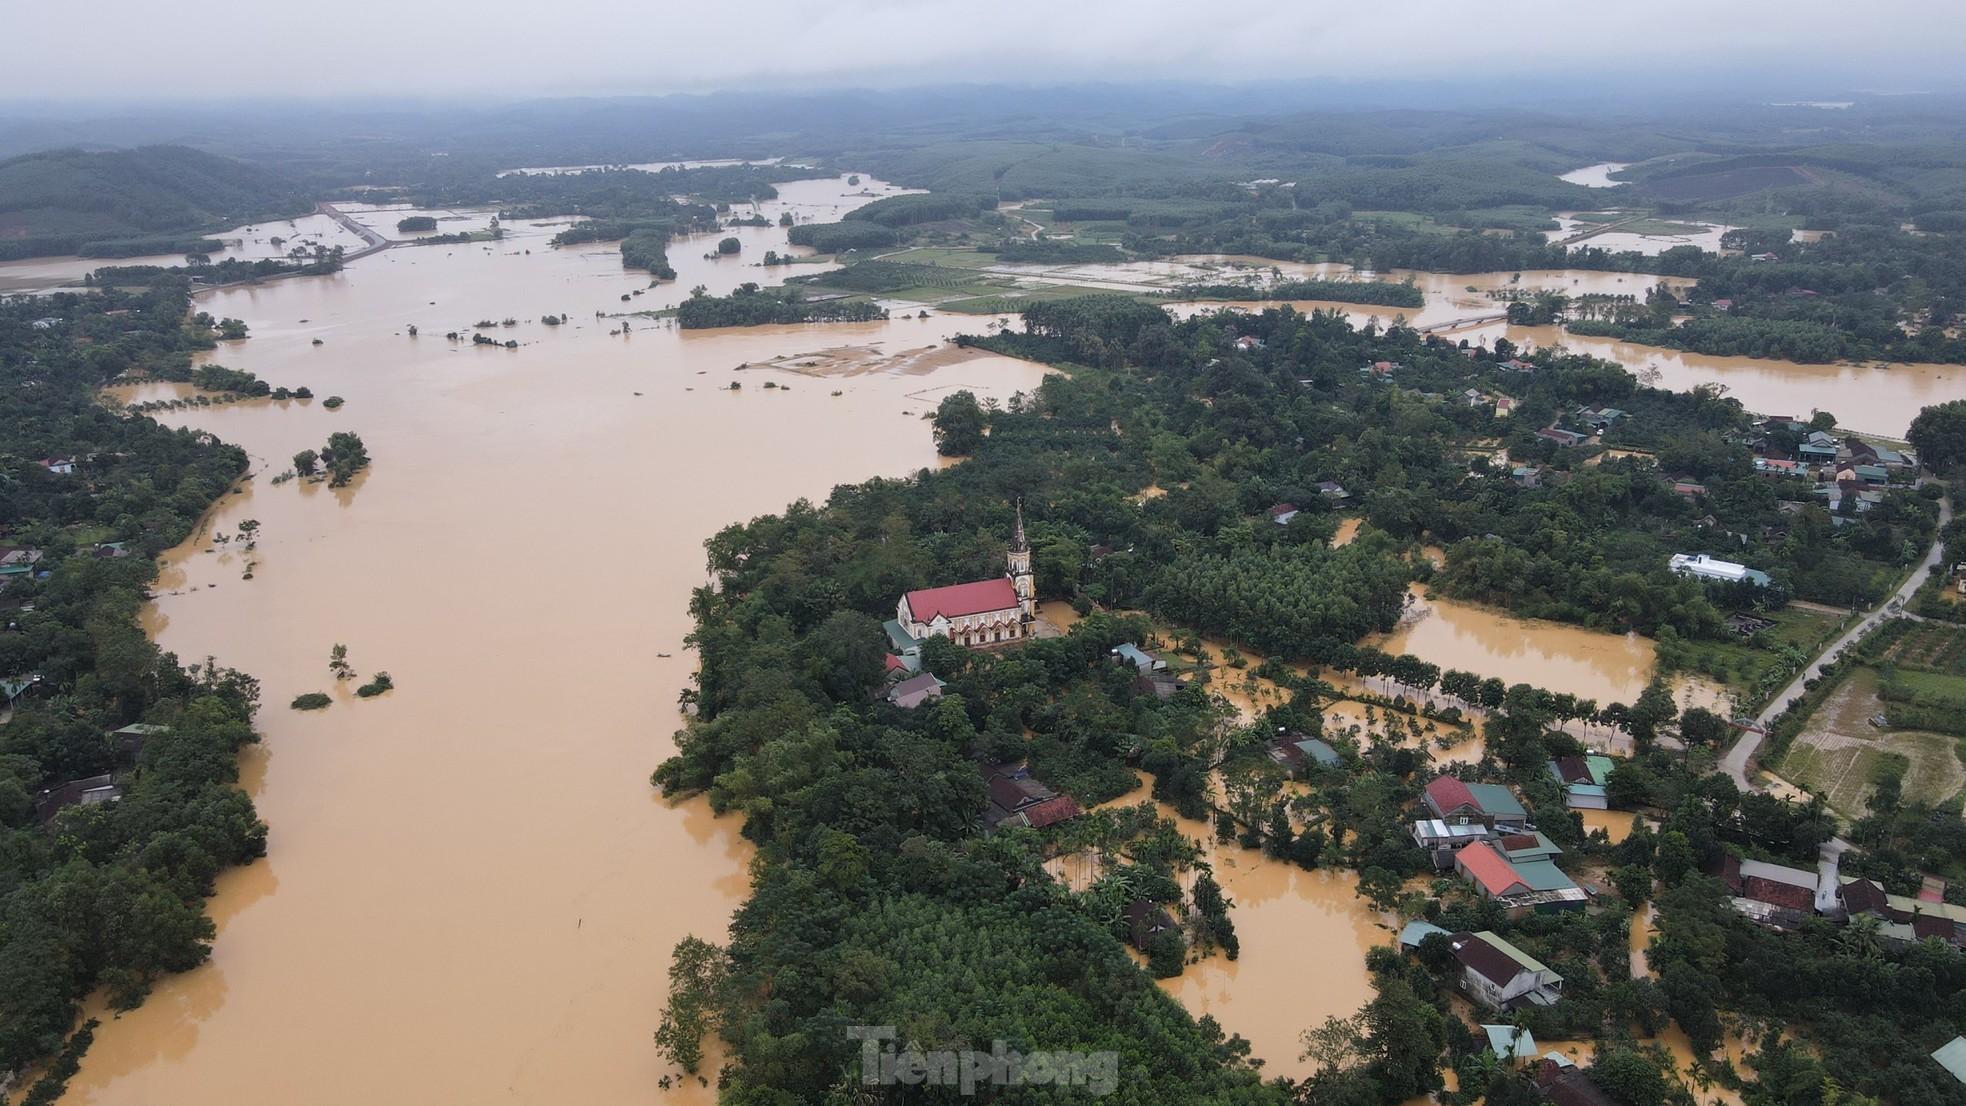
<point x="750" y="305"/>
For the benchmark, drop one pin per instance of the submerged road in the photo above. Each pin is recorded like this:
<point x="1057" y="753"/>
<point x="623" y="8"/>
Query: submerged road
<point x="372" y="242"/>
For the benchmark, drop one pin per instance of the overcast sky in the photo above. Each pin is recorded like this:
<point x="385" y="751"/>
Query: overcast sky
<point x="92" y="49"/>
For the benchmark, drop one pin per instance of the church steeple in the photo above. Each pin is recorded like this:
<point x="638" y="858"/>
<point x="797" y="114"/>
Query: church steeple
<point x="1019" y="559"/>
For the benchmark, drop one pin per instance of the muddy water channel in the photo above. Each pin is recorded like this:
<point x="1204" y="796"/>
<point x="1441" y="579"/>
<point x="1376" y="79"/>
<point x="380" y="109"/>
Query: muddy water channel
<point x="471" y="890"/>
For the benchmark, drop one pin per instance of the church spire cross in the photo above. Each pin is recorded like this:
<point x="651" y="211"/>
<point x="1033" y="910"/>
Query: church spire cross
<point x="1017" y="540"/>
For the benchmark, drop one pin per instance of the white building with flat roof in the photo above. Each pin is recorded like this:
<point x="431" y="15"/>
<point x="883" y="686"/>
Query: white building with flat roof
<point x="1710" y="568"/>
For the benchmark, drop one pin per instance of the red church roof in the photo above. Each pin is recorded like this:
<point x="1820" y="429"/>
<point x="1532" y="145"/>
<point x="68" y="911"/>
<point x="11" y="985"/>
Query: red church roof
<point x="957" y="600"/>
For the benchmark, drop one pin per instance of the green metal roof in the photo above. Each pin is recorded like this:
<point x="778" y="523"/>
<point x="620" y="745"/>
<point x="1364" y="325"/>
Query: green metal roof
<point x="1496" y="799"/>
<point x="900" y="638"/>
<point x="1600" y="768"/>
<point x="1952" y="1057"/>
<point x="1419" y="930"/>
<point x="1528" y="962"/>
<point x="1508" y="1042"/>
<point x="1319" y="751"/>
<point x="1542" y="875"/>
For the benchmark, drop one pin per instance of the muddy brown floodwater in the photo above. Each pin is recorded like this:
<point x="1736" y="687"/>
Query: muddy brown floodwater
<point x="1587" y="663"/>
<point x="1304" y="936"/>
<point x="471" y="890"/>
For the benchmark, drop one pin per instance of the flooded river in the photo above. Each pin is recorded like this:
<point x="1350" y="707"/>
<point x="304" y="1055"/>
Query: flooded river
<point x="471" y="890"/>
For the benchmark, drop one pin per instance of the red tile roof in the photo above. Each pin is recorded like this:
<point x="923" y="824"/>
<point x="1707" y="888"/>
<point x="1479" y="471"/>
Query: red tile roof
<point x="1052" y="810"/>
<point x="1490" y="869"/>
<point x="956" y="600"/>
<point x="1931" y="925"/>
<point x="1446" y="793"/>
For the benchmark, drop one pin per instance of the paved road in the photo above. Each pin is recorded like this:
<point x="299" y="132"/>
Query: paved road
<point x="373" y="242"/>
<point x="1735" y="763"/>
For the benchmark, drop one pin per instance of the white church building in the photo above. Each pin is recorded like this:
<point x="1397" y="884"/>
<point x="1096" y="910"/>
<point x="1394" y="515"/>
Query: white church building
<point x="981" y="612"/>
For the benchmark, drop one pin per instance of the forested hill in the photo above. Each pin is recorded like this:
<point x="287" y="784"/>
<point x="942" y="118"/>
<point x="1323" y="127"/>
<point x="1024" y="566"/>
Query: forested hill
<point x="104" y="204"/>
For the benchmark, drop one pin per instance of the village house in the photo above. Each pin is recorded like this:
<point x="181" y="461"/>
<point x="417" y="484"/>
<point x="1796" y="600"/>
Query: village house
<point x="1443" y="840"/>
<point x="1521" y="887"/>
<point x="1527" y="476"/>
<point x="1499" y="976"/>
<point x="1016" y="798"/>
<point x="1298" y="753"/>
<point x="1151" y="674"/>
<point x="1141" y="660"/>
<point x="1562" y="437"/>
<point x="1566" y="1084"/>
<point x="1772" y="894"/>
<point x="1417" y="931"/>
<point x="1282" y="513"/>
<point x="60" y="466"/>
<point x="1903" y="921"/>
<point x="1819" y="446"/>
<point x="1583" y="779"/>
<point x="1460" y="803"/>
<point x="979" y="613"/>
<point x="1504" y="406"/>
<point x="83" y="792"/>
<point x="906" y="654"/>
<point x="1463" y="814"/>
<point x="12" y="688"/>
<point x="1511" y="1044"/>
<point x="1332" y="491"/>
<point x="127" y="743"/>
<point x="1247" y="343"/>
<point x="1599" y="419"/>
<point x="912" y="692"/>
<point x="18" y="562"/>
